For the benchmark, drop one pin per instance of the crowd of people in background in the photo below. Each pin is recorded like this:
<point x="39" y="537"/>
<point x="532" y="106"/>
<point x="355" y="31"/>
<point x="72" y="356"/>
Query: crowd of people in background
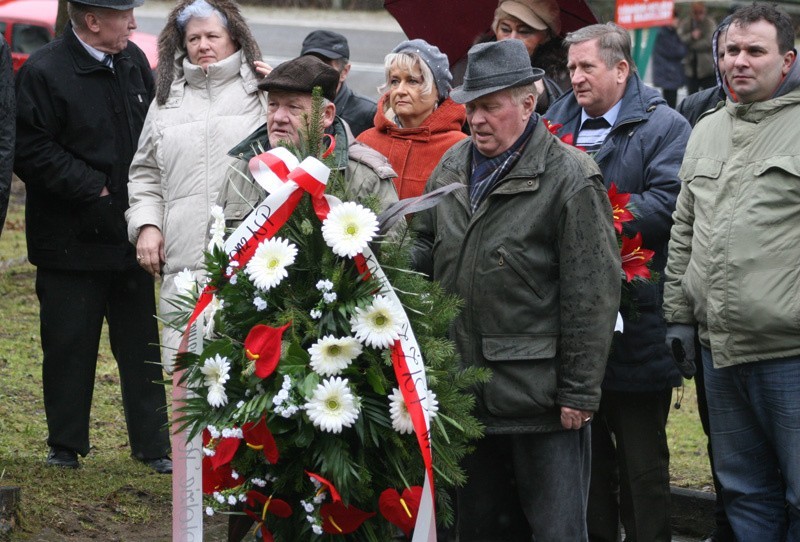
<point x="123" y="173"/>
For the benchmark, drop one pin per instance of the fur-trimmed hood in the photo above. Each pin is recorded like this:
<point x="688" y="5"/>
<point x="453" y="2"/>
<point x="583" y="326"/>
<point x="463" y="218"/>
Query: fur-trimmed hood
<point x="170" y="44"/>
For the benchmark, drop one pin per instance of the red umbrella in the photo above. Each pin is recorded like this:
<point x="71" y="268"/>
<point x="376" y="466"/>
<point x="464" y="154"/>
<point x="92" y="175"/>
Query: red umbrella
<point x="453" y="25"/>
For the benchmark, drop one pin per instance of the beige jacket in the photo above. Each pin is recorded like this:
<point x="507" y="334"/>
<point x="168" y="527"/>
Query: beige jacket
<point x="734" y="252"/>
<point x="176" y="175"/>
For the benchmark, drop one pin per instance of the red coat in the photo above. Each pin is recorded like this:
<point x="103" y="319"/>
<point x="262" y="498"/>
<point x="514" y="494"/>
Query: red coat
<point x="414" y="152"/>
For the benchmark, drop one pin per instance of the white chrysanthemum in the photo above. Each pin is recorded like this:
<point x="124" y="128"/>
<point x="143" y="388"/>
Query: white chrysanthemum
<point x="217" y="229"/>
<point x="267" y="267"/>
<point x="333" y="406"/>
<point x="216" y="370"/>
<point x="349" y="228"/>
<point x="401" y="419"/>
<point x="217" y="396"/>
<point x="185" y="283"/>
<point x="379" y="324"/>
<point x="331" y="355"/>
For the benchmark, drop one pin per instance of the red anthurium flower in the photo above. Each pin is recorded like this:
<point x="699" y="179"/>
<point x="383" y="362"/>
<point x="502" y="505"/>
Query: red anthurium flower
<point x="552" y="128"/>
<point x="263" y="345"/>
<point x="334" y="494"/>
<point x="619" y="205"/>
<point x="217" y="479"/>
<point x="635" y="258"/>
<point x="401" y="511"/>
<point x="340" y="519"/>
<point x="258" y="437"/>
<point x="260" y="505"/>
<point x="224" y="450"/>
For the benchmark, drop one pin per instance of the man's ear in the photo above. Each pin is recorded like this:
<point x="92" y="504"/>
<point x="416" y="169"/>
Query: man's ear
<point x="343" y="74"/>
<point x="789" y="58"/>
<point x="623" y="71"/>
<point x="92" y="22"/>
<point x="328" y="115"/>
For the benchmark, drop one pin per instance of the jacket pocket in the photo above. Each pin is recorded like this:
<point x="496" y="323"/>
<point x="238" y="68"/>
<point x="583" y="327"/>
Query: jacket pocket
<point x="506" y="258"/>
<point x="706" y="167"/>
<point x="102" y="222"/>
<point x="523" y="382"/>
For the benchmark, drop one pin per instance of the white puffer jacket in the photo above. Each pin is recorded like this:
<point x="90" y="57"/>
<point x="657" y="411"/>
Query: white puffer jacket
<point x="182" y="161"/>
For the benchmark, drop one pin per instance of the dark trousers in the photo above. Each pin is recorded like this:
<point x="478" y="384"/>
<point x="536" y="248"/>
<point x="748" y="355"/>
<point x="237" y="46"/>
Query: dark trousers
<point x="693" y="84"/>
<point x="72" y="306"/>
<point x="671" y="96"/>
<point x="526" y="487"/>
<point x="630" y="468"/>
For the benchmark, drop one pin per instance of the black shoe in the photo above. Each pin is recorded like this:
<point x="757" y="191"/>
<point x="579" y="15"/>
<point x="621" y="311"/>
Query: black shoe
<point x="162" y="465"/>
<point x="62" y="457"/>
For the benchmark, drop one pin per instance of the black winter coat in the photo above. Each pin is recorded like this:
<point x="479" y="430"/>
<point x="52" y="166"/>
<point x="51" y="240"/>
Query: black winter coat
<point x="78" y="125"/>
<point x="668" y="54"/>
<point x="8" y="114"/>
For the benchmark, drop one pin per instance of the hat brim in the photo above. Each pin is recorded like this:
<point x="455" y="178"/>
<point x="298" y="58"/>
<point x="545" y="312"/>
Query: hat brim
<point x="525" y="14"/>
<point x="327" y="53"/>
<point x="110" y="5"/>
<point x="462" y="96"/>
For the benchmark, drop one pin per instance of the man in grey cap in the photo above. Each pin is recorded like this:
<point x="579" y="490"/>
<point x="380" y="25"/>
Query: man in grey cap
<point x="81" y="104"/>
<point x="332" y="48"/>
<point x="530" y="247"/>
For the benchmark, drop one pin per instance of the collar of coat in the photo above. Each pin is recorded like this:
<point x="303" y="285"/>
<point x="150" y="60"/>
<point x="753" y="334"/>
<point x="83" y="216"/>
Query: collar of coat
<point x="83" y="61"/>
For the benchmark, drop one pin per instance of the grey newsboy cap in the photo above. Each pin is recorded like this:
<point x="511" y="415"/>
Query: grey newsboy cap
<point x="120" y="5"/>
<point x="495" y="66"/>
<point x="302" y="74"/>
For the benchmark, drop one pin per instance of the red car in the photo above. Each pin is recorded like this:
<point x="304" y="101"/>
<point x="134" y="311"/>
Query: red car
<point x="28" y="24"/>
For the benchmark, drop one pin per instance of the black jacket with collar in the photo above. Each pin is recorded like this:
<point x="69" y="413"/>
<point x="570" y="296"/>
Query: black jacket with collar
<point x="78" y="125"/>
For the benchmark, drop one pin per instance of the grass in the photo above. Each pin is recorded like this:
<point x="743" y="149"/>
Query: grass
<point x="113" y="497"/>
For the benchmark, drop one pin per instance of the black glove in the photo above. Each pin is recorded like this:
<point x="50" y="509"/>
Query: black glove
<point x="680" y="341"/>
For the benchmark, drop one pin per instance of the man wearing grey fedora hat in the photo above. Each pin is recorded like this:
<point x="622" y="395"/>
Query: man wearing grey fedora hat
<point x="81" y="104"/>
<point x="529" y="246"/>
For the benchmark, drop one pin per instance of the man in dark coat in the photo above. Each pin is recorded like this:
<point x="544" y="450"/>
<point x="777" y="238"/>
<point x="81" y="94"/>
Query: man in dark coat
<point x="638" y="142"/>
<point x="81" y="103"/>
<point x="332" y="48"/>
<point x="7" y="123"/>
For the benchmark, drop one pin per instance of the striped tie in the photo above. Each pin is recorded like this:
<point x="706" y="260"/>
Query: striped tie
<point x="108" y="61"/>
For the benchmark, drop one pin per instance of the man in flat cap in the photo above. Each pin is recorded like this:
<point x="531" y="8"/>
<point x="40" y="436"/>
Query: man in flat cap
<point x="81" y="103"/>
<point x="289" y="107"/>
<point x="332" y="48"/>
<point x="529" y="246"/>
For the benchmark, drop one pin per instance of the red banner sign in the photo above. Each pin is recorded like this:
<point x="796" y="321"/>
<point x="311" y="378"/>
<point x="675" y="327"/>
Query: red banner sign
<point x="633" y="14"/>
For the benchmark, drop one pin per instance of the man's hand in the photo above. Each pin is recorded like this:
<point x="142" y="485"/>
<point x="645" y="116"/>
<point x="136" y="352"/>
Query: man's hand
<point x="680" y="341"/>
<point x="150" y="249"/>
<point x="574" y="419"/>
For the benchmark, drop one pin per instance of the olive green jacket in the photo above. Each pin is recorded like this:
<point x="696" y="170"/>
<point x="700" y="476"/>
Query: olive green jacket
<point x="539" y="270"/>
<point x="734" y="252"/>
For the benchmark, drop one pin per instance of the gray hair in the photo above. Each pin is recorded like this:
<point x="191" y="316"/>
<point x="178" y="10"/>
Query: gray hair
<point x="520" y="92"/>
<point x="613" y="42"/>
<point x="199" y="9"/>
<point x="407" y="62"/>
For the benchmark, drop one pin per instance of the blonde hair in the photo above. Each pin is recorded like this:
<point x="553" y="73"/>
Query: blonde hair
<point x="407" y="62"/>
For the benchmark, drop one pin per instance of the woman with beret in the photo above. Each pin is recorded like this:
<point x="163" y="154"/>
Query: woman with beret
<point x="416" y="122"/>
<point x="207" y="100"/>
